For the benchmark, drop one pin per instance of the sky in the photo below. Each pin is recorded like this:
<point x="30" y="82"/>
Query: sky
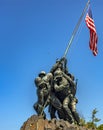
<point x="33" y="34"/>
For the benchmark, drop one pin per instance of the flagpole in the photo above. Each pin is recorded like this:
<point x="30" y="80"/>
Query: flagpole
<point x="76" y="28"/>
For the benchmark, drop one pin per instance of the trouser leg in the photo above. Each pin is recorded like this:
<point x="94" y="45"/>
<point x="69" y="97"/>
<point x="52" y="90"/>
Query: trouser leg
<point x="58" y="106"/>
<point x="52" y="111"/>
<point x="67" y="110"/>
<point x="74" y="112"/>
<point x="76" y="117"/>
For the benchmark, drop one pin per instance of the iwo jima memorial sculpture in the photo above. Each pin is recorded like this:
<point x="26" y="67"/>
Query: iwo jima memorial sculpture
<point x="57" y="89"/>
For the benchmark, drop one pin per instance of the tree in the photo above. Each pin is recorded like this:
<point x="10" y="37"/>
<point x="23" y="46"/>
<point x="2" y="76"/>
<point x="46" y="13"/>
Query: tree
<point x="94" y="120"/>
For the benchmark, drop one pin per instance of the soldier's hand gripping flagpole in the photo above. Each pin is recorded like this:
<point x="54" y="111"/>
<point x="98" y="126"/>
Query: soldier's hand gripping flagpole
<point x="76" y="28"/>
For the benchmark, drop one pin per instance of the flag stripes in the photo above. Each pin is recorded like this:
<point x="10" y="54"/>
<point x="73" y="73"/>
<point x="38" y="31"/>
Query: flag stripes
<point x="93" y="34"/>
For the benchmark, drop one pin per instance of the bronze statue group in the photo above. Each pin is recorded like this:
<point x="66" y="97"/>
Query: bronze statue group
<point x="57" y="90"/>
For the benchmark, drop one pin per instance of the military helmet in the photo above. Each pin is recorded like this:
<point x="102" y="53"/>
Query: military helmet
<point x="42" y="73"/>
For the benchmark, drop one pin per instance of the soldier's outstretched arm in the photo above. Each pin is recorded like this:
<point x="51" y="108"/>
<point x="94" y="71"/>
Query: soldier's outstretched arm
<point x="57" y="64"/>
<point x="54" y="68"/>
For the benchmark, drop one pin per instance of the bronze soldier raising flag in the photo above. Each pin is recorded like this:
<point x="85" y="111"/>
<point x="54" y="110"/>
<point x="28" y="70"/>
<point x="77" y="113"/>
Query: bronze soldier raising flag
<point x="57" y="90"/>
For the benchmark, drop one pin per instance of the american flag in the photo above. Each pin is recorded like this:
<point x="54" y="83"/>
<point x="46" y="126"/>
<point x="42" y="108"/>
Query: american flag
<point x="93" y="34"/>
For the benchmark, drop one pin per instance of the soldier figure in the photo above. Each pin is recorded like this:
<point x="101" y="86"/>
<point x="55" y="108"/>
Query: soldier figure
<point x="73" y="99"/>
<point x="65" y="90"/>
<point x="52" y="109"/>
<point x="43" y="83"/>
<point x="62" y="87"/>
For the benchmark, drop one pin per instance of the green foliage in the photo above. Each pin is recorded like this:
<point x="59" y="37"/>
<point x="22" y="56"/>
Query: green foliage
<point x="82" y="121"/>
<point x="94" y="118"/>
<point x="100" y="127"/>
<point x="92" y="122"/>
<point x="90" y="125"/>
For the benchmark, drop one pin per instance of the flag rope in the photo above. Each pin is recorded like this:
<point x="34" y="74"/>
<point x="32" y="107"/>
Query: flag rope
<point x="76" y="28"/>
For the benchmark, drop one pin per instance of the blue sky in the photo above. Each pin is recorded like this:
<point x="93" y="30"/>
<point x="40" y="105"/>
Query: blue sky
<point x="33" y="34"/>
